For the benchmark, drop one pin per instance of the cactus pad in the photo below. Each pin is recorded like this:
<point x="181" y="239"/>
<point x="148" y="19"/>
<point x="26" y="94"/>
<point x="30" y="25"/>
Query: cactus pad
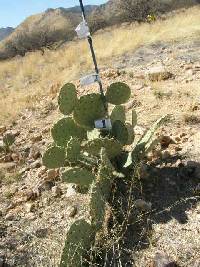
<point x="131" y="135"/>
<point x="112" y="146"/>
<point x="8" y="139"/>
<point x="66" y="128"/>
<point x="118" y="93"/>
<point x="134" y="118"/>
<point x="73" y="150"/>
<point x="67" y="98"/>
<point x="118" y="113"/>
<point x="78" y="176"/>
<point x="77" y="244"/>
<point x="97" y="206"/>
<point x="88" y="109"/>
<point x="120" y="132"/>
<point x="54" y="157"/>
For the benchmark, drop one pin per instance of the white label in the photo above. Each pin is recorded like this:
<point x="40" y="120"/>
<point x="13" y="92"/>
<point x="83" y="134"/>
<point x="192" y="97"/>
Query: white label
<point x="87" y="80"/>
<point x="82" y="30"/>
<point x="104" y="124"/>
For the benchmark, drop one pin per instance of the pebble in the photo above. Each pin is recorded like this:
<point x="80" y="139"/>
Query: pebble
<point x="143" y="205"/>
<point x="56" y="191"/>
<point x="163" y="260"/>
<point x="72" y="211"/>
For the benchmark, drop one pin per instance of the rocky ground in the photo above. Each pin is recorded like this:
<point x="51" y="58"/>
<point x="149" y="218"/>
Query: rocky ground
<point x="36" y="209"/>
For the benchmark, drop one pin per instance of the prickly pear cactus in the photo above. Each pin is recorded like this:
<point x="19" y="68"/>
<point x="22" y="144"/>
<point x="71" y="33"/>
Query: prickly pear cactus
<point x="67" y="99"/>
<point x="118" y="93"/>
<point x="73" y="150"/>
<point x="118" y="113"/>
<point x="78" y="242"/>
<point x="66" y="128"/>
<point x="78" y="176"/>
<point x="88" y="109"/>
<point x="54" y="157"/>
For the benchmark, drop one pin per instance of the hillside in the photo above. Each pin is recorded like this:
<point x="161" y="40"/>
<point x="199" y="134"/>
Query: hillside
<point x="55" y="26"/>
<point x="5" y="32"/>
<point x="37" y="208"/>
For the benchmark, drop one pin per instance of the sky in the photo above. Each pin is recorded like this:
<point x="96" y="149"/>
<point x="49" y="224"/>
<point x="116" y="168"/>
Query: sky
<point x="13" y="12"/>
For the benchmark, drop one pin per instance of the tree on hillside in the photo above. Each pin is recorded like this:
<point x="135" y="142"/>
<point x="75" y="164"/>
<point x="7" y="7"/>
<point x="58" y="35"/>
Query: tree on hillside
<point x="137" y="10"/>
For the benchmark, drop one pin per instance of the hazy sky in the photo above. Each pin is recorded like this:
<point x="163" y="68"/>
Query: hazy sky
<point x="13" y="12"/>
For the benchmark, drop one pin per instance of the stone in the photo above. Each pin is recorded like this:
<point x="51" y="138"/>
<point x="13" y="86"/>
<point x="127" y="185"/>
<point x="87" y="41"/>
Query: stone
<point x="71" y="191"/>
<point x="34" y="153"/>
<point x="163" y="260"/>
<point x="29" y="207"/>
<point x="15" y="157"/>
<point x="165" y="155"/>
<point x="36" y="138"/>
<point x="72" y="211"/>
<point x="165" y="141"/>
<point x="10" y="216"/>
<point x="1" y="262"/>
<point x="56" y="191"/>
<point x="142" y="205"/>
<point x="36" y="164"/>
<point x="52" y="175"/>
<point x="2" y="129"/>
<point x="158" y="74"/>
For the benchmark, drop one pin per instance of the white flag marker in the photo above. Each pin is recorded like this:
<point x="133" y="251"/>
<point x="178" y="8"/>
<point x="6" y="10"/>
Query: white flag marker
<point x="82" y="30"/>
<point x="89" y="79"/>
<point x="104" y="124"/>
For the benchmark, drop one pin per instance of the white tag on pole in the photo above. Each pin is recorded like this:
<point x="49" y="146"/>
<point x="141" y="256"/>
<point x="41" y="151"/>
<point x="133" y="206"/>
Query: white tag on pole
<point x="83" y="30"/>
<point x="89" y="79"/>
<point x="103" y="124"/>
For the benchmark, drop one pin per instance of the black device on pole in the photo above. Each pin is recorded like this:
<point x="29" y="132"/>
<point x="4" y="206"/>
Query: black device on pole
<point x="94" y="59"/>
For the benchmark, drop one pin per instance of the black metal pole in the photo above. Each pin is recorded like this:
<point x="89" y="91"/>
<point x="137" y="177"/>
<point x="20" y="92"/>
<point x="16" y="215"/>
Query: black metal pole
<point x="94" y="59"/>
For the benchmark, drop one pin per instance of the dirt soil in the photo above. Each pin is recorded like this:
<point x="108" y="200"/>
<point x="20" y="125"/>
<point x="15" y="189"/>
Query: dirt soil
<point x="37" y="209"/>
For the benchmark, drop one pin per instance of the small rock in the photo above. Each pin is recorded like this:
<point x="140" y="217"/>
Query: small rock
<point x="29" y="207"/>
<point x="36" y="138"/>
<point x="10" y="216"/>
<point x="35" y="165"/>
<point x="165" y="141"/>
<point x="162" y="260"/>
<point x="71" y="191"/>
<point x="41" y="233"/>
<point x="143" y="205"/>
<point x="34" y="153"/>
<point x="56" y="191"/>
<point x="72" y="211"/>
<point x="42" y="171"/>
<point x="15" y="157"/>
<point x="158" y="74"/>
<point x="52" y="175"/>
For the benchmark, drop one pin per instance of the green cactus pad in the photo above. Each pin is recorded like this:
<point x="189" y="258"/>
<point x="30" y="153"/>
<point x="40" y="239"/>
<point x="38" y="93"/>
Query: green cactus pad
<point x="78" y="176"/>
<point x="118" y="114"/>
<point x="131" y="135"/>
<point x="54" y="157"/>
<point x="66" y="128"/>
<point x="112" y="146"/>
<point x="8" y="139"/>
<point x="97" y="206"/>
<point x="106" y="168"/>
<point x="88" y="109"/>
<point x="67" y="98"/>
<point x="118" y="93"/>
<point x="73" y="150"/>
<point x="120" y="132"/>
<point x="78" y="242"/>
<point x="134" y="118"/>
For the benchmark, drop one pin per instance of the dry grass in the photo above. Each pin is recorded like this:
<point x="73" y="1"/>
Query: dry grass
<point x="25" y="80"/>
